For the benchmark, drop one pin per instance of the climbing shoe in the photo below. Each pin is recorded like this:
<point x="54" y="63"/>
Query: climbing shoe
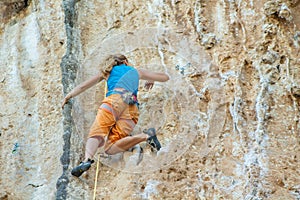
<point x="152" y="140"/>
<point x="84" y="166"/>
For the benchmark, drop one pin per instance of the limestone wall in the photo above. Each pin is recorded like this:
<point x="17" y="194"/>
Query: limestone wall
<point x="228" y="118"/>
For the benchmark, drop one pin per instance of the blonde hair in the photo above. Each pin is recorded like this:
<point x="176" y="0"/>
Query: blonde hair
<point x="111" y="61"/>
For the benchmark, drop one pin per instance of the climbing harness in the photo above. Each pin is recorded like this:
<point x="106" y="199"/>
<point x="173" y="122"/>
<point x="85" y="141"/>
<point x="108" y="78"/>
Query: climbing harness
<point x="107" y="107"/>
<point x="128" y="97"/>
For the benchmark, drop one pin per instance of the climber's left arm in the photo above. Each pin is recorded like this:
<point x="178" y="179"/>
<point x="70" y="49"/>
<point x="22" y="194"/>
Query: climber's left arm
<point x="83" y="87"/>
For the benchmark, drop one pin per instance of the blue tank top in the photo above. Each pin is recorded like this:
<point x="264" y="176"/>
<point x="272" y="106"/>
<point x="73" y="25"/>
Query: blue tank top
<point x="123" y="76"/>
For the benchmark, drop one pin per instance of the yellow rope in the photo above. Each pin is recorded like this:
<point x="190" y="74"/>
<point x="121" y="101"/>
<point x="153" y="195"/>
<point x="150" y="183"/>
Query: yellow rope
<point x="96" y="178"/>
<point x="98" y="159"/>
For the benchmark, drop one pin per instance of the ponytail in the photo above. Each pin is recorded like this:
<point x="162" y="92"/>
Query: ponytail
<point x="112" y="61"/>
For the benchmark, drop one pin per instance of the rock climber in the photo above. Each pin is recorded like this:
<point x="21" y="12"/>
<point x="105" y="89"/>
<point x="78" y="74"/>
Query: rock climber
<point x="118" y="114"/>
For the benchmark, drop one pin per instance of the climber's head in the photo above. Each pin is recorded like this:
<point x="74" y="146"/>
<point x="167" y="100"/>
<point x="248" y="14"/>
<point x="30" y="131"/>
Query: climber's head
<point x="111" y="61"/>
<point x="120" y="59"/>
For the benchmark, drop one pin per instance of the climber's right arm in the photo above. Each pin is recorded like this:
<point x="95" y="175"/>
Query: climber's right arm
<point x="152" y="76"/>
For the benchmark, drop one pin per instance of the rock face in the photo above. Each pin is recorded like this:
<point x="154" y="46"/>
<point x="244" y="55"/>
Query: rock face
<point x="228" y="119"/>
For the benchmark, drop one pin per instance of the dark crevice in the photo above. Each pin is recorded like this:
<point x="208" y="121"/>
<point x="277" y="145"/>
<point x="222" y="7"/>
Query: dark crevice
<point x="35" y="186"/>
<point x="69" y="66"/>
<point x="26" y="2"/>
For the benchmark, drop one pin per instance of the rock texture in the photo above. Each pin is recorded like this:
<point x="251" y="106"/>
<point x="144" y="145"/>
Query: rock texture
<point x="228" y="119"/>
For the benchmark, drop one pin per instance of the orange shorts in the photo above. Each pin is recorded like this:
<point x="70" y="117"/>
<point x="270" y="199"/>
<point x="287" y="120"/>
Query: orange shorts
<point x="115" y="120"/>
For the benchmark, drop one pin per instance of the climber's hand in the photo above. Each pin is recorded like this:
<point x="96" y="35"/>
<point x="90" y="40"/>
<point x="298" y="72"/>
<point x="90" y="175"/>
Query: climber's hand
<point x="149" y="85"/>
<point x="65" y="101"/>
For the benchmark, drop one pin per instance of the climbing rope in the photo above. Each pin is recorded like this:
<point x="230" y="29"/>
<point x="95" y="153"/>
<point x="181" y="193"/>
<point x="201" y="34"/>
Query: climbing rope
<point x="96" y="177"/>
<point x="98" y="159"/>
